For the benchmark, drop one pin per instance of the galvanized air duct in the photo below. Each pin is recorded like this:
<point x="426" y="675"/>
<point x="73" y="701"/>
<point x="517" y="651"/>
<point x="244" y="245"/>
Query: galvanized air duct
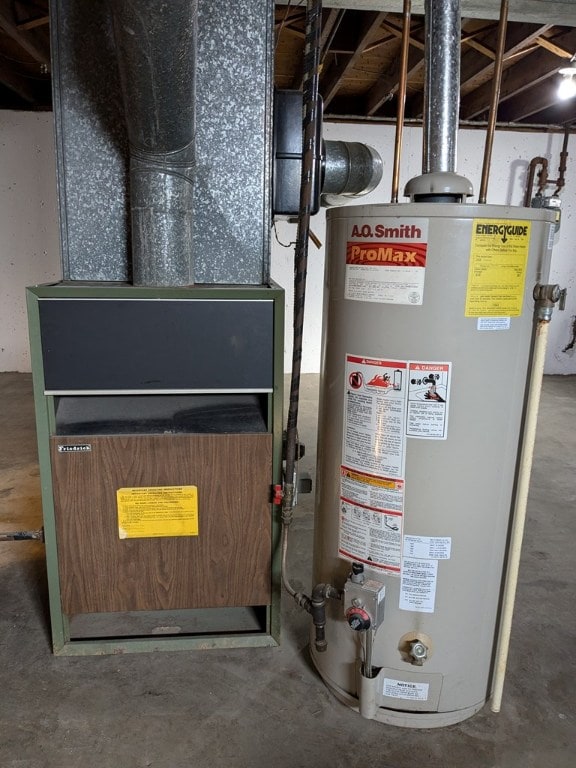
<point x="440" y="183"/>
<point x="350" y="169"/>
<point x="442" y="85"/>
<point x="156" y="48"/>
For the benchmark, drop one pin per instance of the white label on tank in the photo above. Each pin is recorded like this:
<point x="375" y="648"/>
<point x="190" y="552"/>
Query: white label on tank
<point x="418" y="585"/>
<point x="374" y="416"/>
<point x="386" y="261"/>
<point x="399" y="689"/>
<point x="493" y="324"/>
<point x="428" y="398"/>
<point x="371" y="520"/>
<point x="429" y="547"/>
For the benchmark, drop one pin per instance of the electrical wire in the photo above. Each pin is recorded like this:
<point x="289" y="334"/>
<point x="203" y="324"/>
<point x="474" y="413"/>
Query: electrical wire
<point x="311" y="114"/>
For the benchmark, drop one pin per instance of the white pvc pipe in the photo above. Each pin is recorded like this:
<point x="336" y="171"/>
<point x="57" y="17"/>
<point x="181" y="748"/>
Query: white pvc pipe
<point x="517" y="534"/>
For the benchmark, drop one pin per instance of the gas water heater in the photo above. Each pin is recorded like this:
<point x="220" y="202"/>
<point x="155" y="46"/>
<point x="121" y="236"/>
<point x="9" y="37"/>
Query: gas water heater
<point x="428" y="331"/>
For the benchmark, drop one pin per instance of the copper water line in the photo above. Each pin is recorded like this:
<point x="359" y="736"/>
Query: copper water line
<point x="542" y="176"/>
<point x="401" y="99"/>
<point x="497" y="80"/>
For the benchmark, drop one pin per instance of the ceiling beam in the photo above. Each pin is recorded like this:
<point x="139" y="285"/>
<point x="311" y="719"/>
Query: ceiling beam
<point x="517" y="38"/>
<point x="18" y="84"/>
<point x="38" y="52"/>
<point x="517" y="78"/>
<point x="330" y="85"/>
<point x="559" y="12"/>
<point x="541" y="97"/>
<point x="387" y="85"/>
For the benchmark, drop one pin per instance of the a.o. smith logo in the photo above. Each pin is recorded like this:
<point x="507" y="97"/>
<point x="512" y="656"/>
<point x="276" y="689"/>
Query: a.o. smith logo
<point x="76" y="448"/>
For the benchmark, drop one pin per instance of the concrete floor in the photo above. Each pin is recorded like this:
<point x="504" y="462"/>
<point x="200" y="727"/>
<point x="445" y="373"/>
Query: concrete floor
<point x="267" y="707"/>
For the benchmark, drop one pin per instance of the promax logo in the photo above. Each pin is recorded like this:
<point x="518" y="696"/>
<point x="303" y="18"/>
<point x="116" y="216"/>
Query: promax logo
<point x="80" y="448"/>
<point x="397" y="254"/>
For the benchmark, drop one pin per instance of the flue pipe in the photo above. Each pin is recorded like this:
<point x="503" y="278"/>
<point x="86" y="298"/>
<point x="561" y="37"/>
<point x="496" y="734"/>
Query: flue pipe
<point x="442" y="85"/>
<point x="496" y="82"/>
<point x="156" y="50"/>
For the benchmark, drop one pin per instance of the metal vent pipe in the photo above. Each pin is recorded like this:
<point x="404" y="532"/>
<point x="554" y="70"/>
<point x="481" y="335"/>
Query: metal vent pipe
<point x="156" y="49"/>
<point x="442" y="85"/>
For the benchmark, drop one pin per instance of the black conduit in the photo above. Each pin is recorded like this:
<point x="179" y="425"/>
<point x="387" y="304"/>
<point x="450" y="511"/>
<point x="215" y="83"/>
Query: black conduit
<point x="156" y="50"/>
<point x="310" y="150"/>
<point x="316" y="604"/>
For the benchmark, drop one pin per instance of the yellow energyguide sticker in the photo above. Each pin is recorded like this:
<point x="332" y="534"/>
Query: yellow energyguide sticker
<point x="497" y="269"/>
<point x="170" y="510"/>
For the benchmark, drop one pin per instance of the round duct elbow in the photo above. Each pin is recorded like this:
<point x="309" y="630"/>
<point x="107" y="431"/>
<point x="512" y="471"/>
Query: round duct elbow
<point x="350" y="169"/>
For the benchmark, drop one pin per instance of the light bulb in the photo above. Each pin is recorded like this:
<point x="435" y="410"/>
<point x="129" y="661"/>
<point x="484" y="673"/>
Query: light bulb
<point x="567" y="88"/>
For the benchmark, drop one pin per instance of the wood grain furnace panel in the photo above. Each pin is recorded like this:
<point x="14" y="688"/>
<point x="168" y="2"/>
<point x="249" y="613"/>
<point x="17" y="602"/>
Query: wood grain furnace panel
<point x="227" y="564"/>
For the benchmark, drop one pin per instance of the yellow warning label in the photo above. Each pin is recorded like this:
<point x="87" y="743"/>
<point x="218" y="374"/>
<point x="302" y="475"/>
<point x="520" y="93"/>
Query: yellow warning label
<point x="359" y="477"/>
<point x="161" y="511"/>
<point x="497" y="270"/>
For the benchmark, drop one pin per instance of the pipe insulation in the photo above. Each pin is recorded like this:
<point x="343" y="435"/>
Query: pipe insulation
<point x="441" y="86"/>
<point x="520" y="509"/>
<point x="156" y="50"/>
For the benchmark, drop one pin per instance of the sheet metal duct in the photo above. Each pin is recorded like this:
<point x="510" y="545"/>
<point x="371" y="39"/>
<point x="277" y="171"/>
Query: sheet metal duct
<point x="439" y="182"/>
<point x="156" y="47"/>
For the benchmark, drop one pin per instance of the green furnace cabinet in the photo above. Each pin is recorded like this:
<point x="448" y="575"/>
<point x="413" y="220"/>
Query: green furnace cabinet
<point x="159" y="419"/>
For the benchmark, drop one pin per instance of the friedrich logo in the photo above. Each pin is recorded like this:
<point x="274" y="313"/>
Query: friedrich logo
<point x="79" y="448"/>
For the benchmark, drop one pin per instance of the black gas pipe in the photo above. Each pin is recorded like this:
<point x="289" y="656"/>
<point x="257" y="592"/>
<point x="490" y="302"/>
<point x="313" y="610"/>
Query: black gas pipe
<point x="311" y="149"/>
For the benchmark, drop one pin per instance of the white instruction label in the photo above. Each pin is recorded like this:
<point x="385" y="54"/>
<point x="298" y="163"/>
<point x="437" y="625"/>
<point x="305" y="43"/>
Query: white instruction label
<point x="428" y="398"/>
<point x="386" y="261"/>
<point x="399" y="689"/>
<point x="375" y="414"/>
<point x="428" y="547"/>
<point x="493" y="324"/>
<point x="371" y="519"/>
<point x="418" y="585"/>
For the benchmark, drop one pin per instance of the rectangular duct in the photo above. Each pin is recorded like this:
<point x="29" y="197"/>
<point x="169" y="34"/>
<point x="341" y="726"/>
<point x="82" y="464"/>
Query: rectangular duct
<point x="231" y="197"/>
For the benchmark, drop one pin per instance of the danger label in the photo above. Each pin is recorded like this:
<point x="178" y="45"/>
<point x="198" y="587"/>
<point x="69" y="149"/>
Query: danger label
<point x="386" y="263"/>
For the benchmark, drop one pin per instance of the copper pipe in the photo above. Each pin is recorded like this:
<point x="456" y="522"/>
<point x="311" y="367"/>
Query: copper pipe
<point x="496" y="82"/>
<point x="401" y="99"/>
<point x="534" y="163"/>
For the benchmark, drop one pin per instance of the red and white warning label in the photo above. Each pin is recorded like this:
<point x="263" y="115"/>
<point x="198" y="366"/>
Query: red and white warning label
<point x="371" y="519"/>
<point x="375" y="413"/>
<point x="428" y="398"/>
<point x="373" y="458"/>
<point x="385" y="403"/>
<point x="386" y="262"/>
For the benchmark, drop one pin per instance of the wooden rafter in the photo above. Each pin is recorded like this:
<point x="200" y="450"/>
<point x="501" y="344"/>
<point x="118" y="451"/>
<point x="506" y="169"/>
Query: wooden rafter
<point x="25" y="41"/>
<point x="331" y="83"/>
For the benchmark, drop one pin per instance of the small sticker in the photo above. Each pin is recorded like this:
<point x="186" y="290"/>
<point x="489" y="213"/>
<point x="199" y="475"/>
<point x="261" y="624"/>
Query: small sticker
<point x="493" y="324"/>
<point x="156" y="512"/>
<point x="400" y="689"/>
<point x="418" y="585"/>
<point x="429" y="547"/>
<point x="80" y="448"/>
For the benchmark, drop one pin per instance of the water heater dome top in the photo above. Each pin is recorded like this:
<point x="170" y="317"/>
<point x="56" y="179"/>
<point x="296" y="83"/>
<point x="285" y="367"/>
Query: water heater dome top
<point x="438" y="183"/>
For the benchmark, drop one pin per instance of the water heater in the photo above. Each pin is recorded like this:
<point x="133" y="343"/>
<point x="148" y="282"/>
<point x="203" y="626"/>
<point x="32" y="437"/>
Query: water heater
<point x="428" y="338"/>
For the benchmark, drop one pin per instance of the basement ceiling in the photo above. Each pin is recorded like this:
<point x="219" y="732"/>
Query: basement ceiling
<point x="360" y="58"/>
